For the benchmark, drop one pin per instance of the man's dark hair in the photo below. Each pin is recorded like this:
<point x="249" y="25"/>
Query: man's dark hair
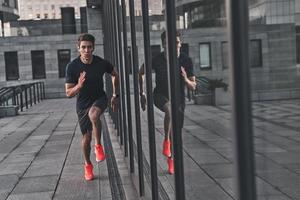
<point x="163" y="35"/>
<point x="86" y="37"/>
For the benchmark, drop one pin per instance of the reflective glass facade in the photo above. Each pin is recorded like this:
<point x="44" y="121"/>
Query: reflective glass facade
<point x="272" y="11"/>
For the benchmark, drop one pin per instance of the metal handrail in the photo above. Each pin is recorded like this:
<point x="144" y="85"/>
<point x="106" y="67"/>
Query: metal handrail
<point x="203" y="85"/>
<point x="18" y="95"/>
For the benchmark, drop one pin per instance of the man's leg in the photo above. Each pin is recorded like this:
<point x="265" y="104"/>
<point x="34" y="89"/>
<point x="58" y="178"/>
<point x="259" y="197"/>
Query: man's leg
<point x="168" y="137"/>
<point x="86" y="147"/>
<point x="167" y="120"/>
<point x="167" y="147"/>
<point x="94" y="115"/>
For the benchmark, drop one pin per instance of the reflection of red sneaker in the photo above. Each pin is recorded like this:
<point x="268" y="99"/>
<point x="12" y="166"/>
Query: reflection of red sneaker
<point x="88" y="172"/>
<point x="167" y="148"/>
<point x="100" y="156"/>
<point x="170" y="165"/>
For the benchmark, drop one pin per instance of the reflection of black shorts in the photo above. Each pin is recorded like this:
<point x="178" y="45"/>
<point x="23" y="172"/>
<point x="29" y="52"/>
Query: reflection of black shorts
<point x="160" y="101"/>
<point x="83" y="114"/>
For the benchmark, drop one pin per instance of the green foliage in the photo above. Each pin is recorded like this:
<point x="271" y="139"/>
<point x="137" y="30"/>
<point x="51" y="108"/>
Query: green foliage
<point x="217" y="83"/>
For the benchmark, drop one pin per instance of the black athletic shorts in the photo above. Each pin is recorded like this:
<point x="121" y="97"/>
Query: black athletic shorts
<point x="160" y="100"/>
<point x="83" y="114"/>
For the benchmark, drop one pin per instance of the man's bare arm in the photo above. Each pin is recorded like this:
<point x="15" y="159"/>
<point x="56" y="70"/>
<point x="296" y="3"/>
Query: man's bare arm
<point x="191" y="82"/>
<point x="73" y="89"/>
<point x="115" y="81"/>
<point x="141" y="78"/>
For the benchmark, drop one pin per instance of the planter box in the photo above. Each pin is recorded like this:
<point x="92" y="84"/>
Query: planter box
<point x="7" y="111"/>
<point x="203" y="99"/>
<point x="221" y="97"/>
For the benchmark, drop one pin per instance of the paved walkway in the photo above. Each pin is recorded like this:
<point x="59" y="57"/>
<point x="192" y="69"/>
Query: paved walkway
<point x="41" y="159"/>
<point x="208" y="151"/>
<point x="40" y="155"/>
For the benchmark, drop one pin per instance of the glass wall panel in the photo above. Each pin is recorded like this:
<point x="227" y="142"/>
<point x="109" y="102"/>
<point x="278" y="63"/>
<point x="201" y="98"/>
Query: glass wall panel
<point x="275" y="93"/>
<point x="152" y="118"/>
<point x="208" y="154"/>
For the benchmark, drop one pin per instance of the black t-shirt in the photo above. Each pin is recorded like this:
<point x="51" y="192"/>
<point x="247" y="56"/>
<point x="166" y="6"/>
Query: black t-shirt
<point x="93" y="85"/>
<point x="159" y="65"/>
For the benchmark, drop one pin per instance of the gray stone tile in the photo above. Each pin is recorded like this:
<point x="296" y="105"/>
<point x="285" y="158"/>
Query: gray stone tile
<point x="272" y="197"/>
<point x="30" y="149"/>
<point x="44" y="169"/>
<point x="2" y="155"/>
<point x="32" y="196"/>
<point x="7" y="182"/>
<point x="4" y="194"/>
<point x="19" y="158"/>
<point x="266" y="189"/>
<point x="219" y="170"/>
<point x="36" y="184"/>
<point x="14" y="168"/>
<point x="77" y="188"/>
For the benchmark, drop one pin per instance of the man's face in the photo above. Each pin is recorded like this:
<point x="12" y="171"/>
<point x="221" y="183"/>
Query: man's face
<point x="86" y="49"/>
<point x="178" y="44"/>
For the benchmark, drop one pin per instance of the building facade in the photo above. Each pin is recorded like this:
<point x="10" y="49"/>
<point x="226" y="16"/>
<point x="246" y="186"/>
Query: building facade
<point x="8" y="12"/>
<point x="155" y="7"/>
<point x="42" y="9"/>
<point x="273" y="53"/>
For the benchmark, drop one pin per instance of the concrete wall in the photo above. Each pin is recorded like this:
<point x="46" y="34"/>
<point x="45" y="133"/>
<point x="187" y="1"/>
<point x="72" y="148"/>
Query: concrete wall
<point x="278" y="77"/>
<point x="54" y="86"/>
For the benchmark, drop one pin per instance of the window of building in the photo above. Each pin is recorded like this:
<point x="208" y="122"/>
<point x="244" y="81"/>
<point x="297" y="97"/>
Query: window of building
<point x="255" y="53"/>
<point x="64" y="57"/>
<point x="11" y="65"/>
<point x="38" y="16"/>
<point x="224" y="47"/>
<point x="52" y="7"/>
<point x="38" y="64"/>
<point x="298" y="48"/>
<point x="6" y="3"/>
<point x="205" y="57"/>
<point x="46" y="16"/>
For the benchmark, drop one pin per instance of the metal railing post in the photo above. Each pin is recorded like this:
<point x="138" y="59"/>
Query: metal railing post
<point x="21" y="99"/>
<point x="135" y="67"/>
<point x="238" y="26"/>
<point x="26" y="97"/>
<point x="150" y="109"/>
<point x="38" y="92"/>
<point x="128" y="99"/>
<point x="34" y="94"/>
<point x="174" y="85"/>
<point x="121" y="76"/>
<point x="30" y="95"/>
<point x="14" y="96"/>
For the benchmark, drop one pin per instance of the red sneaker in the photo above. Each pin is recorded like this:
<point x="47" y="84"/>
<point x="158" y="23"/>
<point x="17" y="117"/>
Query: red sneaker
<point x="170" y="165"/>
<point x="88" y="172"/>
<point x="167" y="148"/>
<point x="100" y="156"/>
